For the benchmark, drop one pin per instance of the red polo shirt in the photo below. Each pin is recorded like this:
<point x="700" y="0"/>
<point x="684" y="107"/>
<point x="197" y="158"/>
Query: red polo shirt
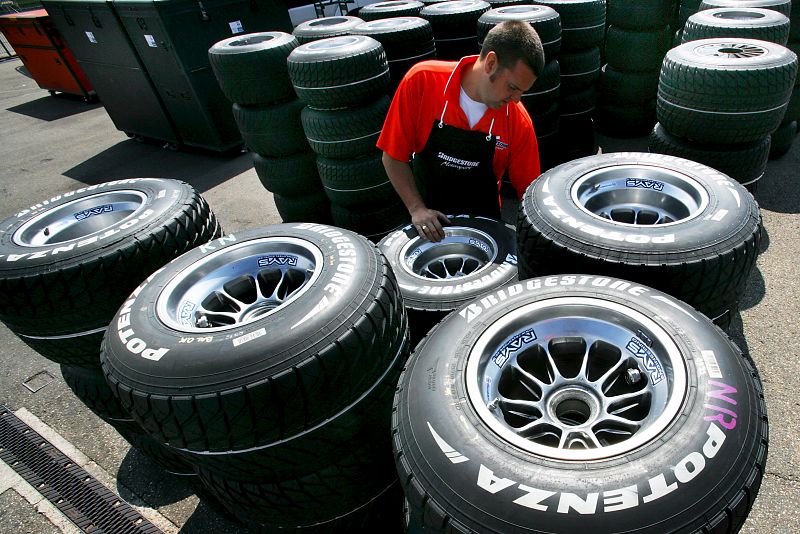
<point x="419" y="101"/>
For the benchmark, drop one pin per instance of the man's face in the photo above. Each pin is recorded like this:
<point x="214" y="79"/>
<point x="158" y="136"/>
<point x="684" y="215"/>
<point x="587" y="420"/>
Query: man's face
<point x="506" y="85"/>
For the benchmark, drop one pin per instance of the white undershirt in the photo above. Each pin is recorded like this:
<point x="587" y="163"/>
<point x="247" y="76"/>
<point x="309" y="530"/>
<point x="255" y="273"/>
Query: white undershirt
<point x="473" y="110"/>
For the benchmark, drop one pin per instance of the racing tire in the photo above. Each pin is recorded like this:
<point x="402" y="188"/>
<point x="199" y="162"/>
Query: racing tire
<point x="545" y="90"/>
<point x="290" y="176"/>
<point x="622" y="87"/>
<point x="345" y="133"/>
<point x="640" y="15"/>
<point x="745" y="162"/>
<point x="312" y="206"/>
<point x="374" y="223"/>
<point x="323" y="28"/>
<point x="476" y="255"/>
<point x="583" y="22"/>
<point x="239" y="64"/>
<point x="725" y="90"/>
<point x="455" y="27"/>
<point x="68" y="263"/>
<point x="401" y="37"/>
<point x="356" y="183"/>
<point x="743" y="22"/>
<point x="546" y="122"/>
<point x="357" y="493"/>
<point x="329" y="292"/>
<point x="782" y="139"/>
<point x="625" y="122"/>
<point x="391" y="9"/>
<point x="579" y="69"/>
<point x="485" y="441"/>
<point x="272" y="131"/>
<point x="339" y="71"/>
<point x="545" y="20"/>
<point x="578" y="104"/>
<point x="635" y="51"/>
<point x="90" y="386"/>
<point x="676" y="225"/>
<point x="781" y="6"/>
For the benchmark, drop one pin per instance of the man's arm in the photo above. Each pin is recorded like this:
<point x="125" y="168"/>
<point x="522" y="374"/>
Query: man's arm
<point x="427" y="221"/>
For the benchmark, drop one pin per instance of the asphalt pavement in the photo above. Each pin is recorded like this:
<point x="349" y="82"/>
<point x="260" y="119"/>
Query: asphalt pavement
<point x="54" y="144"/>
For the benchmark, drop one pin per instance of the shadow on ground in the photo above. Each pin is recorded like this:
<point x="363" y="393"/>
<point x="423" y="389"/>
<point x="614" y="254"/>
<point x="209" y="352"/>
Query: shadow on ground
<point x="778" y="189"/>
<point x="52" y="108"/>
<point x="132" y="159"/>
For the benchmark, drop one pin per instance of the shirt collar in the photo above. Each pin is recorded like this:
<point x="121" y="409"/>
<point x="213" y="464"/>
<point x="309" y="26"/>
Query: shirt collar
<point x="452" y="89"/>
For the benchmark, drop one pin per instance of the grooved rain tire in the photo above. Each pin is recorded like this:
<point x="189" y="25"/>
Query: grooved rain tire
<point x="630" y="50"/>
<point x="339" y="72"/>
<point x="73" y="281"/>
<point x="238" y="387"/>
<point x="781" y="6"/>
<point x="545" y="20"/>
<point x="704" y="257"/>
<point x="700" y="472"/>
<point x="240" y="63"/>
<point x="356" y="183"/>
<point x="272" y="131"/>
<point x="749" y="23"/>
<point x="345" y="133"/>
<point x="639" y="15"/>
<point x="708" y="94"/>
<point x="290" y="176"/>
<point x="323" y="28"/>
<point x="391" y="9"/>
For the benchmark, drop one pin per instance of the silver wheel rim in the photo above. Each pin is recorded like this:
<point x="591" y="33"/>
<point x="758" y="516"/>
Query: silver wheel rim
<point x="576" y="378"/>
<point x="463" y="252"/>
<point x="640" y="195"/>
<point x="80" y="218"/>
<point x="239" y="284"/>
<point x="730" y="50"/>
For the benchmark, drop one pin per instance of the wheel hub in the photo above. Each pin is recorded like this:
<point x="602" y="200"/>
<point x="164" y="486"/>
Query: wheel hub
<point x="553" y="378"/>
<point x="639" y="195"/>
<point x="463" y="252"/>
<point x="80" y="218"/>
<point x="239" y="284"/>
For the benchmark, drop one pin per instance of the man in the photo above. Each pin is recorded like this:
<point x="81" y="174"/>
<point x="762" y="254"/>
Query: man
<point x="465" y="127"/>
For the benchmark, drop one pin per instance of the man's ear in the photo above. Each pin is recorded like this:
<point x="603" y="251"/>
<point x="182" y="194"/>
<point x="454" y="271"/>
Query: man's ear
<point x="490" y="64"/>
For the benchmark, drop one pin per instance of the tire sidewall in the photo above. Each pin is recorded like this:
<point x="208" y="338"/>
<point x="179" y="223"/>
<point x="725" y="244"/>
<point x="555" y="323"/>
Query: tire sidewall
<point x="479" y="475"/>
<point x="160" y="358"/>
<point x="549" y="200"/>
<point x="161" y="198"/>
<point x="441" y="295"/>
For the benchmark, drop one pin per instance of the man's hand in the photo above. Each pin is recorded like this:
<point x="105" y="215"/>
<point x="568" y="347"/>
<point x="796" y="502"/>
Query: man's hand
<point x="429" y="223"/>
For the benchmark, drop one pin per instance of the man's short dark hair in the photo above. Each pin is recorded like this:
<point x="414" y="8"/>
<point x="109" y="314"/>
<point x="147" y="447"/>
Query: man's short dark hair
<point x="512" y="41"/>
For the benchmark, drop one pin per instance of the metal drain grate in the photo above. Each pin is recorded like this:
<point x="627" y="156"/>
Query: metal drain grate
<point x="79" y="496"/>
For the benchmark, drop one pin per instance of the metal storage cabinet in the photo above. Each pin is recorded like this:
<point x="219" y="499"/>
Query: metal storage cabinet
<point x="96" y="37"/>
<point x="42" y="51"/>
<point x="173" y="38"/>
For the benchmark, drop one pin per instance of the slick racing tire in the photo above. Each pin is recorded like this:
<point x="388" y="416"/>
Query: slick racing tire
<point x="67" y="263"/>
<point x="195" y="356"/>
<point x="670" y="223"/>
<point x="476" y="255"/>
<point x="575" y="400"/>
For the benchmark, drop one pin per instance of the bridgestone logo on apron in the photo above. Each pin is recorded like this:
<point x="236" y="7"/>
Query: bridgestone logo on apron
<point x="456" y="163"/>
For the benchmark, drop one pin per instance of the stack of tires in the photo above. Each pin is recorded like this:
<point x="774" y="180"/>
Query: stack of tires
<point x="312" y="30"/>
<point x="752" y="23"/>
<point x="670" y="223"/>
<point x="579" y="403"/>
<point x="720" y="99"/>
<point x="287" y="431"/>
<point x="343" y="82"/>
<point x="582" y="31"/>
<point x="455" y="26"/>
<point x="68" y="263"/>
<point x="406" y="41"/>
<point x="686" y="8"/>
<point x="251" y="70"/>
<point x="638" y="36"/>
<point x="542" y="99"/>
<point x="781" y="145"/>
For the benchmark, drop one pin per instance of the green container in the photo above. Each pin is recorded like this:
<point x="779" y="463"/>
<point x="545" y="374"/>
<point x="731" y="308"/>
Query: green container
<point x="107" y="56"/>
<point x="172" y="38"/>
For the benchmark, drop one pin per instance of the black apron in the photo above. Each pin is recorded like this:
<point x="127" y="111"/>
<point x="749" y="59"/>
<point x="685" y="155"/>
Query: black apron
<point x="454" y="171"/>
